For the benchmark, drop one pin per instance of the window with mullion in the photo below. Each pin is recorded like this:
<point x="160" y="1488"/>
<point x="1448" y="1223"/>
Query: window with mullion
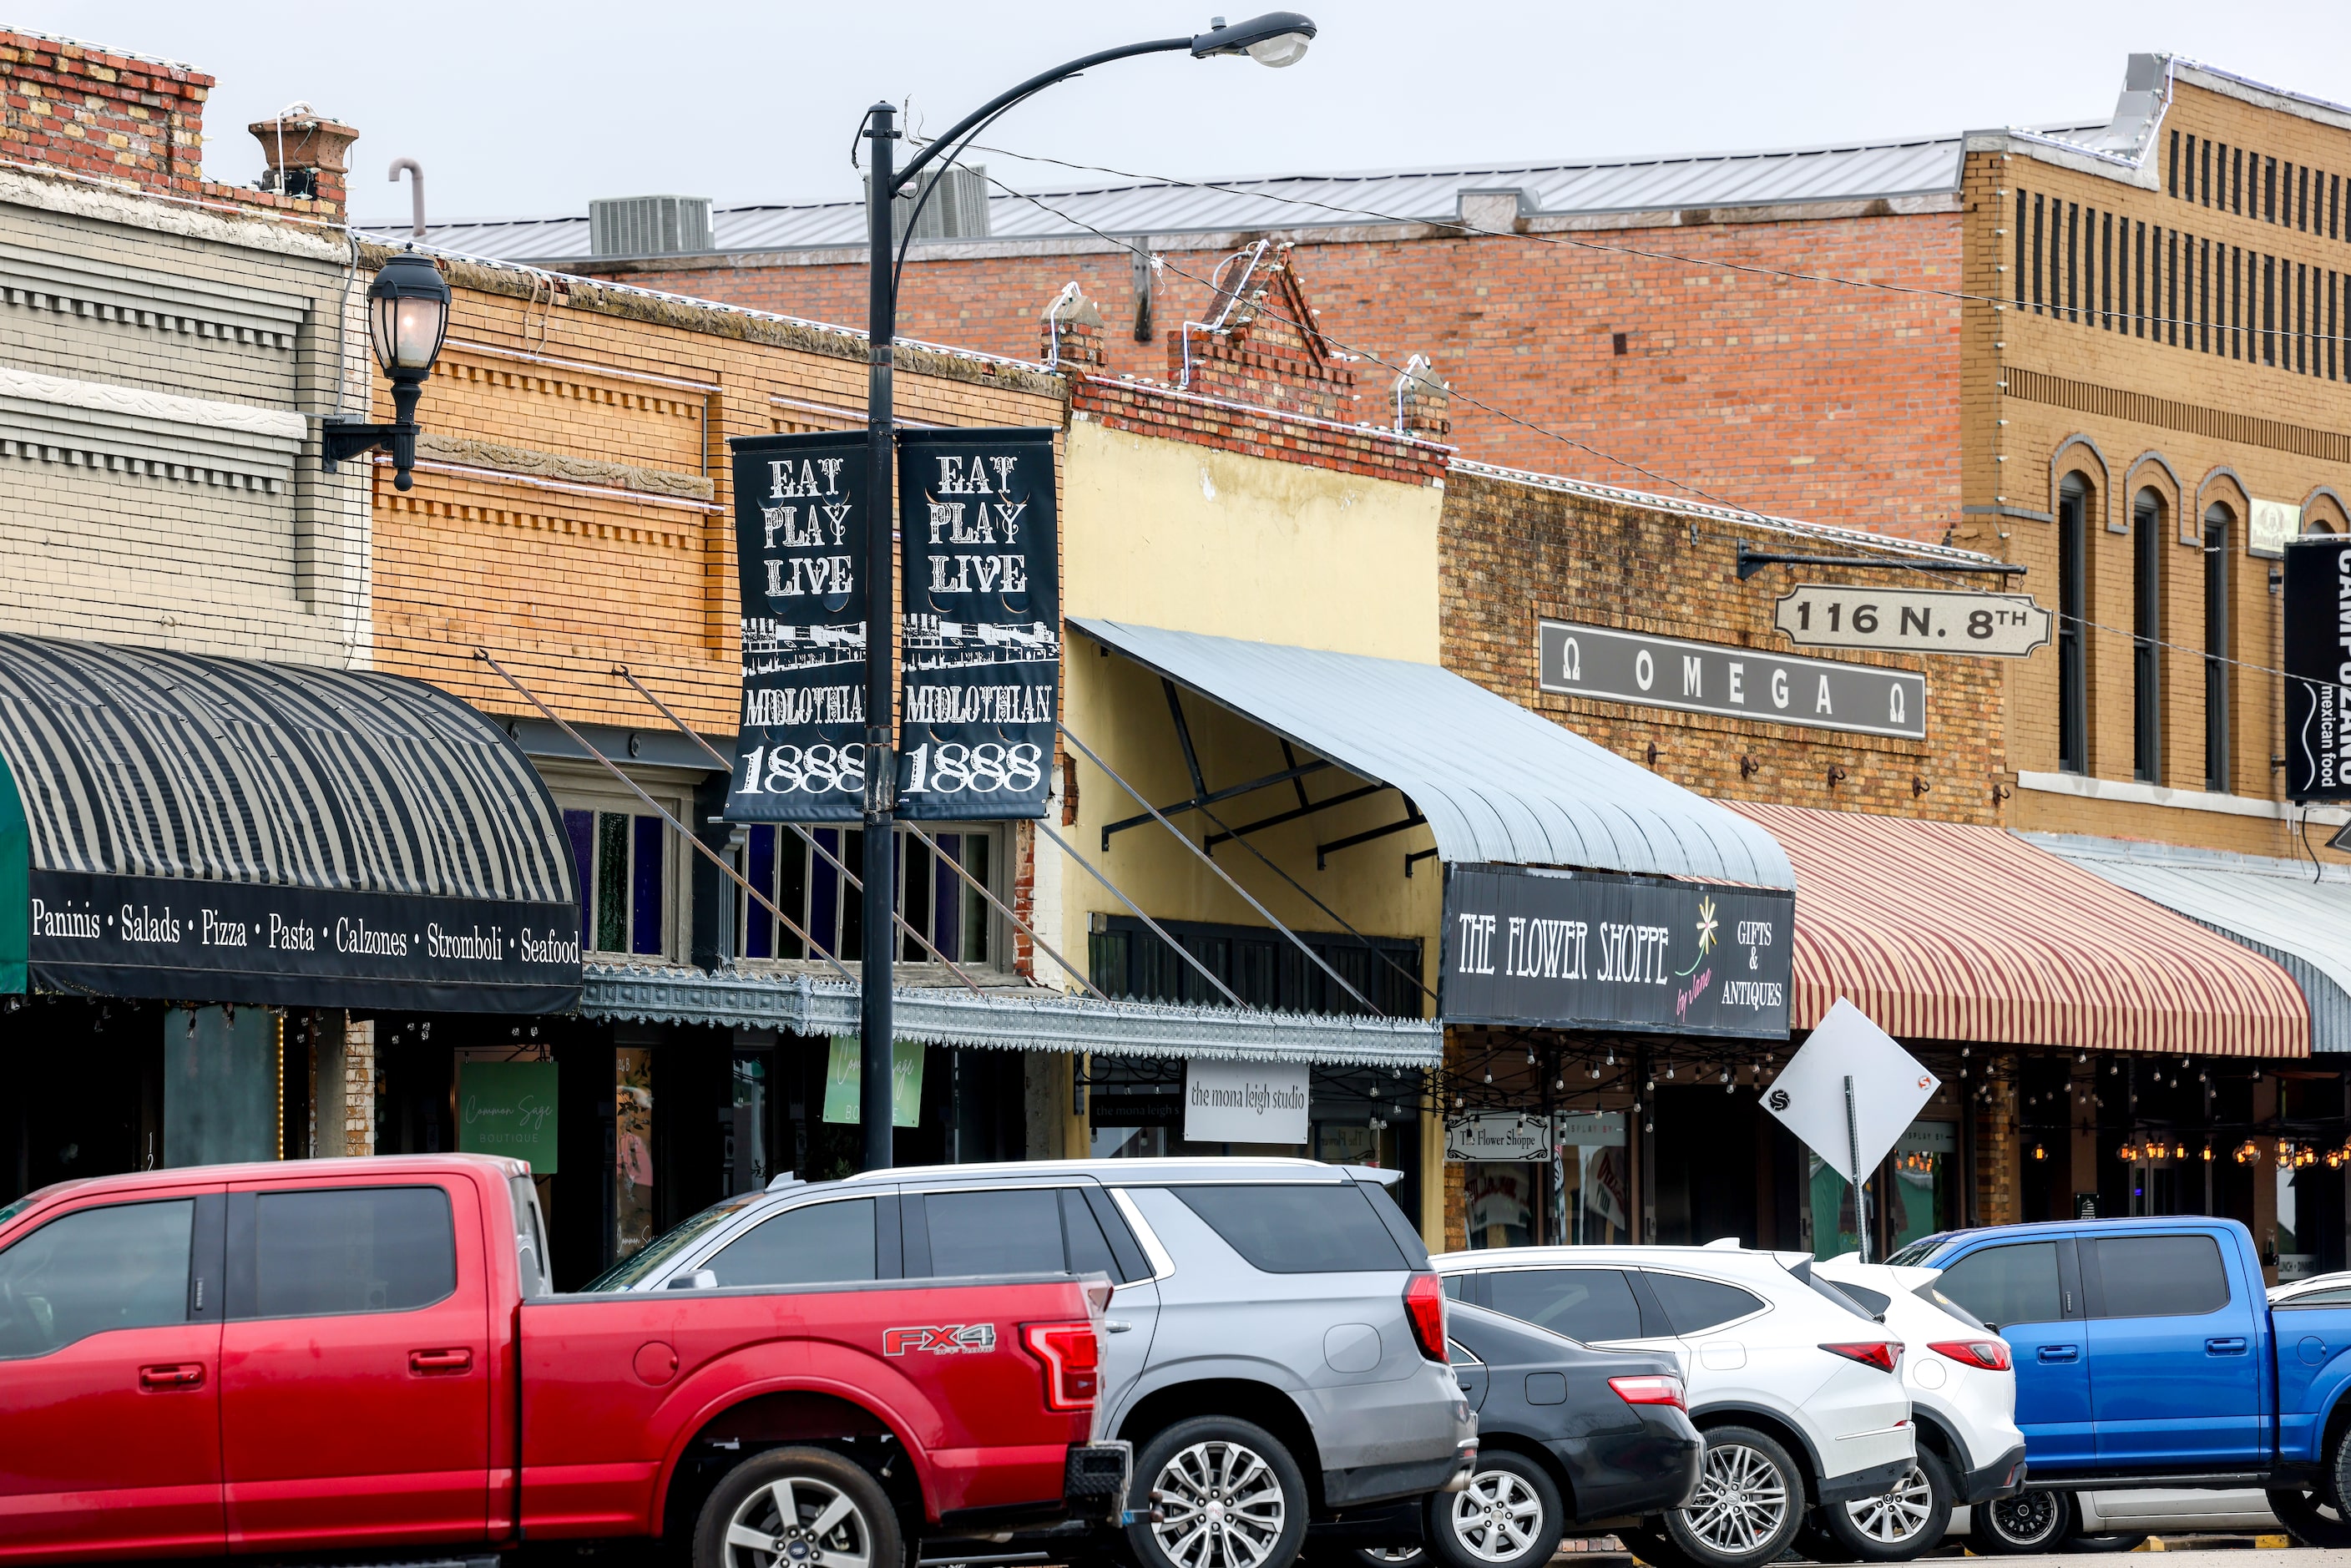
<point x="949" y="913"/>
<point x="622" y="859"/>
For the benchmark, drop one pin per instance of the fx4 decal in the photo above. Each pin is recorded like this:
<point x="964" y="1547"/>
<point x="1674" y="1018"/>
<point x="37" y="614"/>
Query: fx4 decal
<point x="951" y="1340"/>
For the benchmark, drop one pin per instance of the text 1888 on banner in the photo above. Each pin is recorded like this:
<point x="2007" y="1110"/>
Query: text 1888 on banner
<point x="2317" y="626"/>
<point x="801" y="516"/>
<point x="983" y="622"/>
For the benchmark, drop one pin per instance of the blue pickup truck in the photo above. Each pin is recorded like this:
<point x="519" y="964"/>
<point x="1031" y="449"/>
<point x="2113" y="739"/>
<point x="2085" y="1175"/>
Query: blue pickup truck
<point x="2148" y="1355"/>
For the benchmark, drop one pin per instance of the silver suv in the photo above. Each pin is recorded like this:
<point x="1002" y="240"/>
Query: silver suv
<point x="1275" y="1344"/>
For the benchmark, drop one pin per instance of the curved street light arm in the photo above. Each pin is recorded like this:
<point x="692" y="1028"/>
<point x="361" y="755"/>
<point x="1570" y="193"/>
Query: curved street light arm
<point x="1035" y="84"/>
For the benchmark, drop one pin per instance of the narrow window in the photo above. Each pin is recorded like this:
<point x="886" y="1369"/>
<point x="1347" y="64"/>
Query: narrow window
<point x="2302" y="199"/>
<point x="2022" y="221"/>
<point x="2328" y="325"/>
<point x="2174" y="170"/>
<point x="2146" y="634"/>
<point x="2237" y="180"/>
<point x="2269" y="310"/>
<point x="2217" y="648"/>
<point x="2106" y="270"/>
<point x="2204" y="184"/>
<point x="2073" y="594"/>
<point x="2072" y="261"/>
<point x="2269" y="190"/>
<point x="2036" y="256"/>
<point x="2138" y="273"/>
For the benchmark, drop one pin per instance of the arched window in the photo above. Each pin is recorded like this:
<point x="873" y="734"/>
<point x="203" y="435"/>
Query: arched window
<point x="2073" y="604"/>
<point x="2146" y="638"/>
<point x="2218" y="644"/>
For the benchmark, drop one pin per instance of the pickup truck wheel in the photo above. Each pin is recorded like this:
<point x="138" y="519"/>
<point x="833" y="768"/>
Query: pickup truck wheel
<point x="2309" y="1517"/>
<point x="1228" y="1495"/>
<point x="1750" y="1499"/>
<point x="798" y="1508"/>
<point x="2029" y="1522"/>
<point x="1897" y="1525"/>
<point x="1508" y="1516"/>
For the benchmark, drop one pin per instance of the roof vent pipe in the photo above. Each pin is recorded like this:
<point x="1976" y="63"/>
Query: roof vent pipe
<point x="415" y="191"/>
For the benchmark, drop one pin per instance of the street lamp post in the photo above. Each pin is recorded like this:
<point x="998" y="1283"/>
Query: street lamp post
<point x="1276" y="38"/>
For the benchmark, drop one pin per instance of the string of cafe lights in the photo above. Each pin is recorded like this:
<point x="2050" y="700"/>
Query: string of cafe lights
<point x="1893" y="558"/>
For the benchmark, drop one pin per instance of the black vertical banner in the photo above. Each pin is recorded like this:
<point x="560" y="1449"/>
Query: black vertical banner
<point x="2317" y="662"/>
<point x="982" y="652"/>
<point x="800" y="518"/>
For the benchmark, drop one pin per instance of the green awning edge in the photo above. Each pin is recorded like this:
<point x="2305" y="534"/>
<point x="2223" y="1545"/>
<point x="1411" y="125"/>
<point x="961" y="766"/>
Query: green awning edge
<point x="16" y="886"/>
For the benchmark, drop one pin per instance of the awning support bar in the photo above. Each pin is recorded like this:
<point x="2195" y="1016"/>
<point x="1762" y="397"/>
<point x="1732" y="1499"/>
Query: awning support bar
<point x="1417" y="855"/>
<point x="1183" y="736"/>
<point x="1209" y="861"/>
<point x="1309" y="809"/>
<point x="1414" y="820"/>
<point x="806" y="837"/>
<point x="708" y="854"/>
<point x="1752" y="562"/>
<point x="1158" y="930"/>
<point x="1213" y="796"/>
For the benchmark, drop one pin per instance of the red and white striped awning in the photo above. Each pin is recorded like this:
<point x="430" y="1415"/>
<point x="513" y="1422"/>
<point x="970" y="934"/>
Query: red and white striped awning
<point x="1949" y="931"/>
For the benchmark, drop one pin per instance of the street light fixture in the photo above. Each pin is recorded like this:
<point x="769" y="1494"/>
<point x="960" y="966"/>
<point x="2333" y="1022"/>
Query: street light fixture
<point x="408" y="316"/>
<point x="1276" y="38"/>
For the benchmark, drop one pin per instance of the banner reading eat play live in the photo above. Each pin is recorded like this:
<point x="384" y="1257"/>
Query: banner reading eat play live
<point x="983" y="622"/>
<point x="1588" y="950"/>
<point x="801" y="516"/>
<point x="2318" y="667"/>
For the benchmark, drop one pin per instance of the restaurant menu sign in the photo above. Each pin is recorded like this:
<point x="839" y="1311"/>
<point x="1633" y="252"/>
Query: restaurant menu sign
<point x="801" y="516"/>
<point x="2317" y="626"/>
<point x="1737" y="683"/>
<point x="982" y="657"/>
<point x="1590" y="950"/>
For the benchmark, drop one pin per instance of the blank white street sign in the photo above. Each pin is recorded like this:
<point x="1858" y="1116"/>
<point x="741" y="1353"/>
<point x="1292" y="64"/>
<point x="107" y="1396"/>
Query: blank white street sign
<point x="1889" y="1088"/>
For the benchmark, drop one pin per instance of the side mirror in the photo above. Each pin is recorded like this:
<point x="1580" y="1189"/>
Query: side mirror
<point x="697" y="1280"/>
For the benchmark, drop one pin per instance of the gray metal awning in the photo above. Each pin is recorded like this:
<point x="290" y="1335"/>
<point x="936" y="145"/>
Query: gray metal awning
<point x="2273" y="906"/>
<point x="1496" y="781"/>
<point x="1030" y="1020"/>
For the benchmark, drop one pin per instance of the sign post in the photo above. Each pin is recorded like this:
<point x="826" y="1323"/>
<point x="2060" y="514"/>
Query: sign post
<point x="1848" y="1094"/>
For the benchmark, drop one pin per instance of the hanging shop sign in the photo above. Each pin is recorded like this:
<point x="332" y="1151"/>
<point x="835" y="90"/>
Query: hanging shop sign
<point x="1245" y="1101"/>
<point x="2317" y="661"/>
<point x="1591" y="950"/>
<point x="801" y="516"/>
<point x="508" y="1108"/>
<point x="982" y="658"/>
<point x="1503" y="1135"/>
<point x="1912" y="620"/>
<point x="1738" y="683"/>
<point x="2271" y="526"/>
<point x="844" y="1081"/>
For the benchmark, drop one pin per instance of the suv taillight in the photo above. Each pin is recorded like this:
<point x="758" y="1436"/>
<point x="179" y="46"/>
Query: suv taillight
<point x="1072" y="1358"/>
<point x="1879" y="1353"/>
<point x="1647" y="1390"/>
<point x="1424" y="1303"/>
<point x="1984" y="1355"/>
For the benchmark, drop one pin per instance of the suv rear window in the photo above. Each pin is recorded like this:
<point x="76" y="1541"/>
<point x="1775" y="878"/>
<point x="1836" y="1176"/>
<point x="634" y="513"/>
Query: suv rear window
<point x="2160" y="1276"/>
<point x="1695" y="1305"/>
<point x="1298" y="1227"/>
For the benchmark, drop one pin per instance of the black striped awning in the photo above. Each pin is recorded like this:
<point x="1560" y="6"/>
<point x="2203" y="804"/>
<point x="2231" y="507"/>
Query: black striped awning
<point x="222" y="830"/>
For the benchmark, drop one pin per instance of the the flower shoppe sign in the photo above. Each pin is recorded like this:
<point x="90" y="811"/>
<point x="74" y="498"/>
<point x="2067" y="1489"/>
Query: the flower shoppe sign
<point x="1592" y="950"/>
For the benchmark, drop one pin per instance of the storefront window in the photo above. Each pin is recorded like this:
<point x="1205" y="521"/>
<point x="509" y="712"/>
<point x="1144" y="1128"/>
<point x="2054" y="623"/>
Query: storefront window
<point x="1922" y="1196"/>
<point x="1502" y="1199"/>
<point x="1591" y="1192"/>
<point x="632" y="1161"/>
<point x="948" y="911"/>
<point x="744" y="1160"/>
<point x="623" y="886"/>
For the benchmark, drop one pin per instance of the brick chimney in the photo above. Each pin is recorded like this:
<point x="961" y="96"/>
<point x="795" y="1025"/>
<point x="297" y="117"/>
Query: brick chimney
<point x="84" y="110"/>
<point x="1423" y="405"/>
<point x="307" y="156"/>
<point x="1259" y="343"/>
<point x="1070" y="333"/>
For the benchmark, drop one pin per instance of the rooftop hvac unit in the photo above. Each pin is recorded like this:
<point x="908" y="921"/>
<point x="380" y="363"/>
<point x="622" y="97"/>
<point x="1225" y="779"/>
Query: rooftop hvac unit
<point x="649" y="225"/>
<point x="958" y="208"/>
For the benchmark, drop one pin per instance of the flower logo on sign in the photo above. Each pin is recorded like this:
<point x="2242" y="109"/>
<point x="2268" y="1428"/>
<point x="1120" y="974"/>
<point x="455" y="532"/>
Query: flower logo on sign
<point x="1706" y="926"/>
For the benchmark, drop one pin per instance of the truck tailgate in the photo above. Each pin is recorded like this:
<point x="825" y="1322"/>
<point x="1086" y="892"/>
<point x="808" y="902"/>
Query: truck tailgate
<point x="616" y="1386"/>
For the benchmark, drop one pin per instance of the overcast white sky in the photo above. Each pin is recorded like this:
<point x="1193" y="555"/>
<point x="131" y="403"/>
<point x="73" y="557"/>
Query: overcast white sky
<point x="519" y="108"/>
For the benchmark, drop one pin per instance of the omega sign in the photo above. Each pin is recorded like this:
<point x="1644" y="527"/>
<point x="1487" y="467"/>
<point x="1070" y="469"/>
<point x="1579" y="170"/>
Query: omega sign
<point x="1582" y="949"/>
<point x="1737" y="682"/>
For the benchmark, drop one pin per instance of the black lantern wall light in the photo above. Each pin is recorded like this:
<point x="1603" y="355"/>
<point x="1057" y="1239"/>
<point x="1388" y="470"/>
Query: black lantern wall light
<point x="408" y="316"/>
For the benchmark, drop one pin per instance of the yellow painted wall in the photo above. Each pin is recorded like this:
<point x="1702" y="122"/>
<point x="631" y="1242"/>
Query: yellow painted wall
<point x="1167" y="533"/>
<point x="1164" y="533"/>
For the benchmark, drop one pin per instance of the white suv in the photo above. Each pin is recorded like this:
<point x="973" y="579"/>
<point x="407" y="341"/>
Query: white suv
<point x="1793" y="1385"/>
<point x="1962" y="1391"/>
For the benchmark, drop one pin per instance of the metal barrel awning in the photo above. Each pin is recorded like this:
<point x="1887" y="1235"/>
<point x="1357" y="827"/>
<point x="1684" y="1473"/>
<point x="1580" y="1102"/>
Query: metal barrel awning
<point x="2284" y="910"/>
<point x="1955" y="931"/>
<point x="210" y="830"/>
<point x="1496" y="782"/>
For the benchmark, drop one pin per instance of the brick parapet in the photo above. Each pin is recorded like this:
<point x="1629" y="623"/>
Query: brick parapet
<point x="1146" y="408"/>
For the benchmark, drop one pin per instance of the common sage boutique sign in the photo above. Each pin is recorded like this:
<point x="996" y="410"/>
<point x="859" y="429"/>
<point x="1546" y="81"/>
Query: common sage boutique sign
<point x="1583" y="950"/>
<point x="2318" y="667"/>
<point x="800" y="518"/>
<point x="983" y="622"/>
<point x="185" y="939"/>
<point x="1738" y="683"/>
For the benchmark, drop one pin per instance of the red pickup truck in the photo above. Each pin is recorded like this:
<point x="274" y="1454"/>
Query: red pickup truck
<point x="365" y="1355"/>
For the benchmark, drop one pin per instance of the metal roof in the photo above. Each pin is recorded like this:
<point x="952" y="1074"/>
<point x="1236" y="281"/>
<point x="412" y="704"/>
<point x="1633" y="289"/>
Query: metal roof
<point x="1496" y="781"/>
<point x="1854" y="171"/>
<point x="2275" y="907"/>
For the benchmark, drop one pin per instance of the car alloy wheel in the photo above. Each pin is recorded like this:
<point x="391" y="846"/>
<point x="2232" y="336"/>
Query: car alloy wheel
<point x="1496" y="1516"/>
<point x="798" y="1508"/>
<point x="1391" y="1556"/>
<point x="1220" y="1506"/>
<point x="1742" y="1502"/>
<point x="2028" y="1522"/>
<point x="1895" y="1518"/>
